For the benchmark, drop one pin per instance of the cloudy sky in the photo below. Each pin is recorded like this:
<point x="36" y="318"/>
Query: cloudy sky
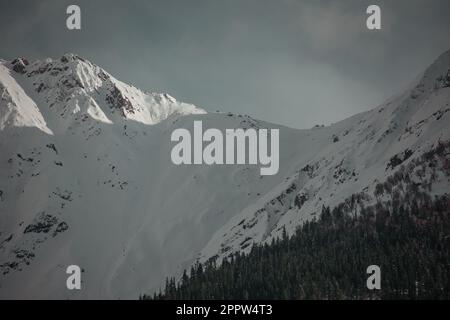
<point x="292" y="62"/>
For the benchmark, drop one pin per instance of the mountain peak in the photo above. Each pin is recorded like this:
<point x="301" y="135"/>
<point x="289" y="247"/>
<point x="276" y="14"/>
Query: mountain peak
<point x="438" y="73"/>
<point x="445" y="56"/>
<point x="441" y="69"/>
<point x="68" y="57"/>
<point x="435" y="77"/>
<point x="73" y="88"/>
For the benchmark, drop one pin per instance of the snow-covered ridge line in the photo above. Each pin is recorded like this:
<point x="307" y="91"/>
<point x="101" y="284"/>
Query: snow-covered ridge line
<point x="74" y="87"/>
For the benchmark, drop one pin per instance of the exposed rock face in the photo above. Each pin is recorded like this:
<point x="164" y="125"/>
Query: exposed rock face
<point x="118" y="101"/>
<point x="43" y="223"/>
<point x="19" y="65"/>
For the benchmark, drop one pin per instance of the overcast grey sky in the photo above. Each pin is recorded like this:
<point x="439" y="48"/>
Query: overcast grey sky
<point x="292" y="62"/>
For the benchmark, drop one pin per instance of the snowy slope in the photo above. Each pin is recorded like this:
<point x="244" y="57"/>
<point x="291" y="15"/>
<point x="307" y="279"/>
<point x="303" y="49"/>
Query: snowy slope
<point x="348" y="159"/>
<point x="86" y="177"/>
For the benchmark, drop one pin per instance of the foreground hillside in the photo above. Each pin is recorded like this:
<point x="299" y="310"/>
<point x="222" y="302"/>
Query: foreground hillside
<point x="407" y="236"/>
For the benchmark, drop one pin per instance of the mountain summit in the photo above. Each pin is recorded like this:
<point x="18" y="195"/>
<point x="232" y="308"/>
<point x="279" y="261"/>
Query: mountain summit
<point x="67" y="90"/>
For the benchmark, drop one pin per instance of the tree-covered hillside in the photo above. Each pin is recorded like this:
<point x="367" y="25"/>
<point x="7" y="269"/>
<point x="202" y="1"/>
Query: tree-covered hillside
<point x="406" y="233"/>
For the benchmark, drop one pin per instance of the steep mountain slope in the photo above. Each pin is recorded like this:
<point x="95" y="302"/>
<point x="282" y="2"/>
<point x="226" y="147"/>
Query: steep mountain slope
<point x="94" y="185"/>
<point x="353" y="157"/>
<point x="86" y="177"/>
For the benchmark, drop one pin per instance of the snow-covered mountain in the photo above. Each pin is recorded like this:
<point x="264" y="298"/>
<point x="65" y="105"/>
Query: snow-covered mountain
<point x="86" y="177"/>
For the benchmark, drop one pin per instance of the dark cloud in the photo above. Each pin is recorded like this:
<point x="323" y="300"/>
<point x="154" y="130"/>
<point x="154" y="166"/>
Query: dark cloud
<point x="288" y="61"/>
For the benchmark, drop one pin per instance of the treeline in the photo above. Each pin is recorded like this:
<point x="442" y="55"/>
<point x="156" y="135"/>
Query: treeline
<point x="327" y="258"/>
